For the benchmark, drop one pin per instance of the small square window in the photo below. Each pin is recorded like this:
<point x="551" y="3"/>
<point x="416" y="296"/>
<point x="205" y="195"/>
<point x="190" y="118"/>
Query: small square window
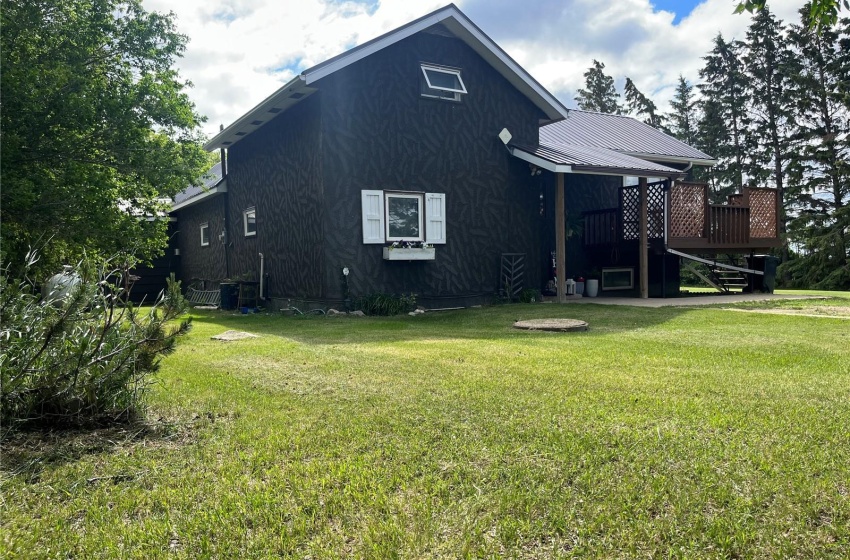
<point x="249" y="221"/>
<point x="441" y="82"/>
<point x="205" y="235"/>
<point x="404" y="217"/>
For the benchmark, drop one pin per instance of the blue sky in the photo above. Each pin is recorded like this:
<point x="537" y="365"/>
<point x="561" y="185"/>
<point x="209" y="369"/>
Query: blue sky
<point x="680" y="7"/>
<point x="241" y="51"/>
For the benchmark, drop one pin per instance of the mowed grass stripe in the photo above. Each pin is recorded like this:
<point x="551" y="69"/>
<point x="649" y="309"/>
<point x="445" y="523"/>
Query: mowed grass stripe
<point x="661" y="432"/>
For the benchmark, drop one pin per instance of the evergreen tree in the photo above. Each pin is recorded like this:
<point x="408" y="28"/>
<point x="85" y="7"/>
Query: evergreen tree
<point x="819" y="170"/>
<point x="683" y="118"/>
<point x="725" y="90"/>
<point x="640" y="105"/>
<point x="768" y="64"/>
<point x="600" y="94"/>
<point x="712" y="137"/>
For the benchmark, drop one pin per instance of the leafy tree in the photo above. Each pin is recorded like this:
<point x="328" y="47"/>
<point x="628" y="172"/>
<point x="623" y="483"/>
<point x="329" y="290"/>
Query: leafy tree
<point x="819" y="170"/>
<point x="821" y="13"/>
<point x="97" y="128"/>
<point x="640" y="105"/>
<point x="725" y="97"/>
<point x="600" y="94"/>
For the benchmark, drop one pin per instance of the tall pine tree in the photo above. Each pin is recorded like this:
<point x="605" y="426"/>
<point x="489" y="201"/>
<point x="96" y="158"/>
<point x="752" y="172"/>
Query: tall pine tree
<point x="600" y="94"/>
<point x="683" y="117"/>
<point x="820" y="168"/>
<point x="725" y="97"/>
<point x="768" y="64"/>
<point x="641" y="106"/>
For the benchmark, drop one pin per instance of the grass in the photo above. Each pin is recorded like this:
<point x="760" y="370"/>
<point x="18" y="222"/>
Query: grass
<point x="671" y="432"/>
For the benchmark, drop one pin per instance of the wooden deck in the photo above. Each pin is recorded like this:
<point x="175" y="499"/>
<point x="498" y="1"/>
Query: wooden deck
<point x="748" y="222"/>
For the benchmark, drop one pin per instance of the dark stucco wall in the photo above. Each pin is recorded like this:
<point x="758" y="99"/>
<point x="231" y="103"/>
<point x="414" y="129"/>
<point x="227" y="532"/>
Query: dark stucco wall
<point x="379" y="133"/>
<point x="206" y="263"/>
<point x="581" y="194"/>
<point x="277" y="170"/>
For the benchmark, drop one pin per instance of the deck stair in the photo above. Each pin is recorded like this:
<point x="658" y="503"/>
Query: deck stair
<point x="728" y="280"/>
<point x="723" y="276"/>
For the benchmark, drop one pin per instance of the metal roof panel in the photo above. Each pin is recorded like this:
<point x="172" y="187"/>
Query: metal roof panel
<point x="622" y="134"/>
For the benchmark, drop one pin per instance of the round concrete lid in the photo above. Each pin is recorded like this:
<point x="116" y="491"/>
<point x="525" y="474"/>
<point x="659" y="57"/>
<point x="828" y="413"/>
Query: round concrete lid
<point x="556" y="325"/>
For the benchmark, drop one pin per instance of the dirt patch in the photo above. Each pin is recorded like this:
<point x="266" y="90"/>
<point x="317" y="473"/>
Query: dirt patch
<point x="825" y="311"/>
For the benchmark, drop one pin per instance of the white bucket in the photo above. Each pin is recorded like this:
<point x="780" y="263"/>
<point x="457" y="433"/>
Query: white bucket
<point x="592" y="287"/>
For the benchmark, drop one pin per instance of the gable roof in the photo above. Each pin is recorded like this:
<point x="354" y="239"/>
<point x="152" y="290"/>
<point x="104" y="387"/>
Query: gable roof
<point x="450" y="17"/>
<point x="622" y="134"/>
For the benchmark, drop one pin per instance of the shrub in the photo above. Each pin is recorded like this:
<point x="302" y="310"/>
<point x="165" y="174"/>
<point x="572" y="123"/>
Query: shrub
<point x="529" y="295"/>
<point x="385" y="304"/>
<point x="87" y="358"/>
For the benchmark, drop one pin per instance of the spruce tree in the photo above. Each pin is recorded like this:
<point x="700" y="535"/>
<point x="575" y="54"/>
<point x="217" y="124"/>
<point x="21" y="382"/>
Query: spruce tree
<point x="683" y="117"/>
<point x="768" y="64"/>
<point x="725" y="89"/>
<point x="640" y="105"/>
<point x="819" y="170"/>
<point x="600" y="94"/>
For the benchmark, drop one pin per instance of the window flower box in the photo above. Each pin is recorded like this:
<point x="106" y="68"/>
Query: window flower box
<point x="409" y="253"/>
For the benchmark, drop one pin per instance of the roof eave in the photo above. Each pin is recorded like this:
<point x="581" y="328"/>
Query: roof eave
<point x="219" y="188"/>
<point x="243" y="124"/>
<point x="627" y="172"/>
<point x="670" y="159"/>
<point x="556" y="167"/>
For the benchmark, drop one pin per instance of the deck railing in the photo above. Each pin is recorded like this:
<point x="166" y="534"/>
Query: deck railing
<point x="729" y="225"/>
<point x="749" y="219"/>
<point x="601" y="227"/>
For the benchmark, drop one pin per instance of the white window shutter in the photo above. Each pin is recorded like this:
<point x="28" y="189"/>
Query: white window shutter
<point x="435" y="218"/>
<point x="373" y="216"/>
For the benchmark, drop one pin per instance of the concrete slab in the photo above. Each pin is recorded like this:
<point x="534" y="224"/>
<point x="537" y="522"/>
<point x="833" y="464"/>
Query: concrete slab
<point x="688" y="301"/>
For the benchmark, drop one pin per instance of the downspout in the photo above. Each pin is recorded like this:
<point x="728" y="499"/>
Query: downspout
<point x="226" y="210"/>
<point x="261" y="277"/>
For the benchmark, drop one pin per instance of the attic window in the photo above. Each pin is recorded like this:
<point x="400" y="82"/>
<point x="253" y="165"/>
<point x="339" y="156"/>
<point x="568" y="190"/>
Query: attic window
<point x="441" y="82"/>
<point x="249" y="222"/>
<point x="205" y="235"/>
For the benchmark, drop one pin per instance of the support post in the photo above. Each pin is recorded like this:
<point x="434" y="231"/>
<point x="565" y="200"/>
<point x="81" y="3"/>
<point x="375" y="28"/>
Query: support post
<point x="560" y="240"/>
<point x="643" y="249"/>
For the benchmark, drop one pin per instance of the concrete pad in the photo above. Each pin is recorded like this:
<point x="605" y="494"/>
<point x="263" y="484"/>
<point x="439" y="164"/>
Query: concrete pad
<point x="688" y="301"/>
<point x="228" y="336"/>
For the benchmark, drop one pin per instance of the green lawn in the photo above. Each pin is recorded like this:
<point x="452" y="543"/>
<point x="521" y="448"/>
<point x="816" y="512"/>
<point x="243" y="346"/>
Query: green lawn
<point x="672" y="432"/>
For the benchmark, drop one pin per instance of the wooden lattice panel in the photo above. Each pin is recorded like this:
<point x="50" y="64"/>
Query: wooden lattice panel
<point x="687" y="210"/>
<point x="630" y="204"/>
<point x="762" y="213"/>
<point x="655" y="210"/>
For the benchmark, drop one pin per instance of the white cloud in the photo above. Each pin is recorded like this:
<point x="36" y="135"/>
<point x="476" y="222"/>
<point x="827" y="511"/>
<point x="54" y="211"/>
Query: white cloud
<point x="241" y="51"/>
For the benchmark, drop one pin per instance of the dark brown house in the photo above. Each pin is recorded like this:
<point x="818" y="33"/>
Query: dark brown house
<point x="432" y="135"/>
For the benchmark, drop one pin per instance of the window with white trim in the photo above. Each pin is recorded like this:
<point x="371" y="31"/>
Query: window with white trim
<point x="205" y="235"/>
<point x="441" y="82"/>
<point x="403" y="216"/>
<point x="249" y="222"/>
